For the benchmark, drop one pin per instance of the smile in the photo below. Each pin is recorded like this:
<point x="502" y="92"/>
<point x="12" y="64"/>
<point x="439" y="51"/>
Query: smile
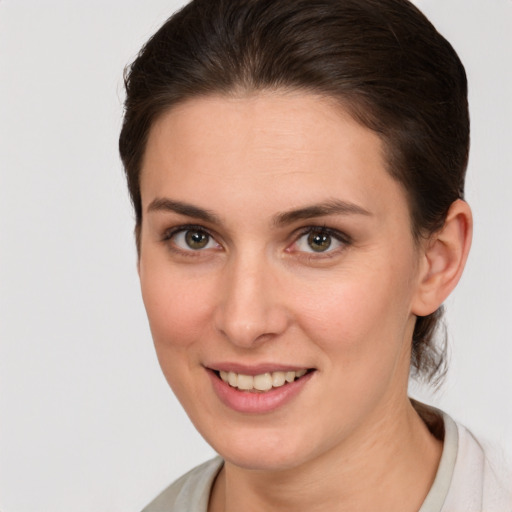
<point x="262" y="382"/>
<point x="258" y="390"/>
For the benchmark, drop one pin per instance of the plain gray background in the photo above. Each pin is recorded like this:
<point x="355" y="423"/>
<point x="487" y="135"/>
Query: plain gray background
<point x="87" y="422"/>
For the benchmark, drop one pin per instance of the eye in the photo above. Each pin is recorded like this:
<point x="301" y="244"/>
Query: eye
<point x="320" y="240"/>
<point x="192" y="239"/>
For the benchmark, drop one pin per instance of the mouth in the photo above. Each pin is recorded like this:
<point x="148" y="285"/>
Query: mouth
<point x="263" y="382"/>
<point x="261" y="388"/>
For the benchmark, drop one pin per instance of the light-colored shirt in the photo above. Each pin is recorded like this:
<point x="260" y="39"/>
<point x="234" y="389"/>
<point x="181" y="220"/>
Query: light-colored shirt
<point x="466" y="480"/>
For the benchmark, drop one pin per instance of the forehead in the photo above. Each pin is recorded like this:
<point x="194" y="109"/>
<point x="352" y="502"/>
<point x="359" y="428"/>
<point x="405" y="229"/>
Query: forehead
<point x="295" y="146"/>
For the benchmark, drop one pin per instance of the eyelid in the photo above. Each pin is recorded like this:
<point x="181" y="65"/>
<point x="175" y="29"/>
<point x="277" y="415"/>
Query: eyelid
<point x="335" y="233"/>
<point x="338" y="235"/>
<point x="169" y="233"/>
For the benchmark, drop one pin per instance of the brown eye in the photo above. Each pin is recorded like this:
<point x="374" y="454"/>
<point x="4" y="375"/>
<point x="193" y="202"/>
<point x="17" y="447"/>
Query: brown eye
<point x="319" y="241"/>
<point x="192" y="239"/>
<point x="197" y="239"/>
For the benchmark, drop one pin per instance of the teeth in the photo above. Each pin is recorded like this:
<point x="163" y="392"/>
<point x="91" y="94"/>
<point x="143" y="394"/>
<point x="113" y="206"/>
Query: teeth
<point x="262" y="382"/>
<point x="245" y="382"/>
<point x="232" y="379"/>
<point x="278" y="379"/>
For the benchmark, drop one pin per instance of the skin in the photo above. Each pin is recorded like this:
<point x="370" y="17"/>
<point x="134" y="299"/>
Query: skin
<point x="258" y="293"/>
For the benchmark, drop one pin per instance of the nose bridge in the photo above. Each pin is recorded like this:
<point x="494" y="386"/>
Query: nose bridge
<point x="249" y="309"/>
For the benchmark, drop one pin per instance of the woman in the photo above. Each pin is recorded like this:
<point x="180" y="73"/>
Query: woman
<point x="297" y="172"/>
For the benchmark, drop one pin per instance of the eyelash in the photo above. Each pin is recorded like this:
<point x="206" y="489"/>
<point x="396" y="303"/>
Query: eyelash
<point x="170" y="233"/>
<point x="339" y="236"/>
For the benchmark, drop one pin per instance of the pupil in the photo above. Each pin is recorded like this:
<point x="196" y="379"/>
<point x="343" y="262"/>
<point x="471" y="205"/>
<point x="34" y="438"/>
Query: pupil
<point x="319" y="241"/>
<point x="196" y="239"/>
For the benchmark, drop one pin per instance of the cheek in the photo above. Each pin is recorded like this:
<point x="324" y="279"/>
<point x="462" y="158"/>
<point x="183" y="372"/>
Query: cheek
<point x="362" y="328"/>
<point x="358" y="317"/>
<point x="179" y="313"/>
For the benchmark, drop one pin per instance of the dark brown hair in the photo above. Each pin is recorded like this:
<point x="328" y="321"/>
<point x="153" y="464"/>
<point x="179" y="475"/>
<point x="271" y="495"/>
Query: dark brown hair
<point x="381" y="59"/>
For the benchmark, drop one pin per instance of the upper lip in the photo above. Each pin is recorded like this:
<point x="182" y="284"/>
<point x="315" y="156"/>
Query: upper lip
<point x="256" y="369"/>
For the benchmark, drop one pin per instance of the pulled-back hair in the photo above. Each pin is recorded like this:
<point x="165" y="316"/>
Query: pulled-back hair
<point x="381" y="59"/>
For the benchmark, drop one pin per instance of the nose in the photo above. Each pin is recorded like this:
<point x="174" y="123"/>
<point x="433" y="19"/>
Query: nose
<point x="250" y="308"/>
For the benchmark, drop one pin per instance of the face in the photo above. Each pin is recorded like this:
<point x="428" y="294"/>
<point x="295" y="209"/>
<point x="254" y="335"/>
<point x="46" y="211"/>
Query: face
<point x="279" y="274"/>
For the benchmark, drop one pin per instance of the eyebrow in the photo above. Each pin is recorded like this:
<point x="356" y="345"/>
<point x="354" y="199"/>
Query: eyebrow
<point x="189" y="210"/>
<point x="331" y="207"/>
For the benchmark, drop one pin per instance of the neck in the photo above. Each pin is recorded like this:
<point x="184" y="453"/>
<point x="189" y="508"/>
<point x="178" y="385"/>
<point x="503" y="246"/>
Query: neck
<point x="367" y="472"/>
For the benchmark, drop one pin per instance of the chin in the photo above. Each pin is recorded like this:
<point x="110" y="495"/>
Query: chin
<point x="264" y="449"/>
<point x="259" y="460"/>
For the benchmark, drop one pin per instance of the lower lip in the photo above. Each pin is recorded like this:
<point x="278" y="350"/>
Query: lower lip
<point x="257" y="402"/>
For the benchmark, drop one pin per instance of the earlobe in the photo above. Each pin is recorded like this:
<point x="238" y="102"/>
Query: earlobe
<point x="443" y="259"/>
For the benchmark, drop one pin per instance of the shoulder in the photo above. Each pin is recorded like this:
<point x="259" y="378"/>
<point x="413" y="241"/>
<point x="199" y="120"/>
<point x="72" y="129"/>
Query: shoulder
<point x="480" y="482"/>
<point x="469" y="478"/>
<point x="190" y="492"/>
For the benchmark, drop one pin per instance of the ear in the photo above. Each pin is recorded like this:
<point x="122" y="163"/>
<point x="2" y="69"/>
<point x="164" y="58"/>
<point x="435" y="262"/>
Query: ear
<point x="443" y="257"/>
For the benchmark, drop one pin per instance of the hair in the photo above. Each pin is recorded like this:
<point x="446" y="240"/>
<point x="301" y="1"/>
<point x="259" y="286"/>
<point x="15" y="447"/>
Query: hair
<point x="382" y="60"/>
